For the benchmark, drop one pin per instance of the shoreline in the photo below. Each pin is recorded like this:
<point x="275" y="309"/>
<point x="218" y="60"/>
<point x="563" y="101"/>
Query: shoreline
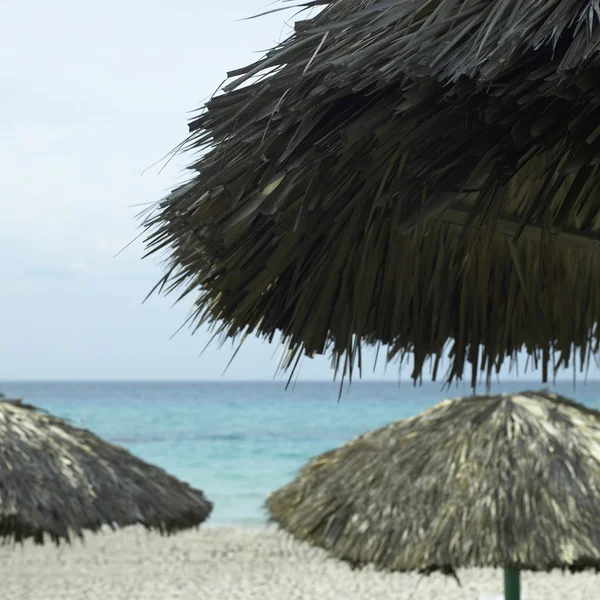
<point x="252" y="525"/>
<point x="239" y="563"/>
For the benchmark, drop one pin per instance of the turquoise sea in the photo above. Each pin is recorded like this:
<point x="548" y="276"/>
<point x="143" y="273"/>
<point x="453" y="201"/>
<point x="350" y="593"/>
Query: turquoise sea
<point x="238" y="441"/>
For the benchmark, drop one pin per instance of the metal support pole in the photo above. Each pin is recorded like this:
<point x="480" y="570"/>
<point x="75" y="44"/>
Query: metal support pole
<point x="512" y="584"/>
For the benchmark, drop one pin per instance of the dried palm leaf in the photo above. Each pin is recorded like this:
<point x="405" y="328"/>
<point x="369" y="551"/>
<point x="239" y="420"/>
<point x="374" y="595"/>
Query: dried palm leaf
<point x="415" y="173"/>
<point x="509" y="481"/>
<point x="57" y="481"/>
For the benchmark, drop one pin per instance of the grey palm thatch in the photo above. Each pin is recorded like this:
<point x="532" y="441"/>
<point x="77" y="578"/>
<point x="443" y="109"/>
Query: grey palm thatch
<point x="411" y="173"/>
<point x="509" y="481"/>
<point x="57" y="481"/>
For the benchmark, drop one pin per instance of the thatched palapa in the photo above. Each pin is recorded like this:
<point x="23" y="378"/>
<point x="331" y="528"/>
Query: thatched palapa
<point x="57" y="480"/>
<point x="405" y="172"/>
<point x="501" y="481"/>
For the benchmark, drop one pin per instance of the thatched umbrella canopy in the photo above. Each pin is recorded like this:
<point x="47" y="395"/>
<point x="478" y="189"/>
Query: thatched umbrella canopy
<point x="509" y="481"/>
<point x="57" y="480"/>
<point x="411" y="173"/>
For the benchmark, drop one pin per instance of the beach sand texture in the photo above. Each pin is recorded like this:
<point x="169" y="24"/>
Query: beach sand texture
<point x="238" y="564"/>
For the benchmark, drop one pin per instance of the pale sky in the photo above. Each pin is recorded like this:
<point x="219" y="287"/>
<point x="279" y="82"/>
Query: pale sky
<point x="92" y="95"/>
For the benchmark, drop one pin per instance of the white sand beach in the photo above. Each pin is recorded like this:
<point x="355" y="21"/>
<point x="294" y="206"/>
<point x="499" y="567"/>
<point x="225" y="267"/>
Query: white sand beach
<point x="238" y="564"/>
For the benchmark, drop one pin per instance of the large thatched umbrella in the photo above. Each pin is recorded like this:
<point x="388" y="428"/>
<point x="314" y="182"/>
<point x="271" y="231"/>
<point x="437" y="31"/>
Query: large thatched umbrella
<point x="57" y="480"/>
<point x="508" y="481"/>
<point x="404" y="172"/>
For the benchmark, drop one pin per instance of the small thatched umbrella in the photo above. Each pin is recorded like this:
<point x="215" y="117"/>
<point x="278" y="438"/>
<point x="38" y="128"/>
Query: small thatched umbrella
<point x="509" y="481"/>
<point x="405" y="172"/>
<point x="58" y="480"/>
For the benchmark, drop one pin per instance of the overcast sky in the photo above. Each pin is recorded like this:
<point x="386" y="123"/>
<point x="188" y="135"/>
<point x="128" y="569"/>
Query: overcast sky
<point x="92" y="95"/>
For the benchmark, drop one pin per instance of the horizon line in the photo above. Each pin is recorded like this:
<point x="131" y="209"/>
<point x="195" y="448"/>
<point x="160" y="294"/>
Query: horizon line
<point x="406" y="380"/>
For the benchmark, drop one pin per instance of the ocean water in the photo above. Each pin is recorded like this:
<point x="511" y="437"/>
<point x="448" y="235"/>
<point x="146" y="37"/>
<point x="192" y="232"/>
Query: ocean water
<point x="238" y="441"/>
